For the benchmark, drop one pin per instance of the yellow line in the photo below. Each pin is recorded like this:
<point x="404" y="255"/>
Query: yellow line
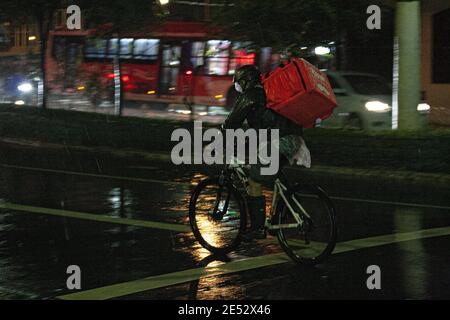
<point x="390" y="239"/>
<point x="160" y="281"/>
<point x="169" y="279"/>
<point x="95" y="217"/>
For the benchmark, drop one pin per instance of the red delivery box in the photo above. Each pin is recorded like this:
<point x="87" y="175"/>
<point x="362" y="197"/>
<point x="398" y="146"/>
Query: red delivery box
<point x="300" y="92"/>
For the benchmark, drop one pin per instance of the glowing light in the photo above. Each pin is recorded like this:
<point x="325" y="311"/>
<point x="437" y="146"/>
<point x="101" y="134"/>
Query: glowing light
<point x="32" y="38"/>
<point x="377" y="106"/>
<point x="151" y="92"/>
<point x="321" y="51"/>
<point x="423" y="107"/>
<point x="25" y="87"/>
<point x="125" y="78"/>
<point x="189" y="72"/>
<point x="80" y="88"/>
<point x="19" y="103"/>
<point x="219" y="96"/>
<point x="163" y="2"/>
<point x="183" y="111"/>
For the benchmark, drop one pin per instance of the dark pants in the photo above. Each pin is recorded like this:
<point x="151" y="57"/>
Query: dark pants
<point x="267" y="180"/>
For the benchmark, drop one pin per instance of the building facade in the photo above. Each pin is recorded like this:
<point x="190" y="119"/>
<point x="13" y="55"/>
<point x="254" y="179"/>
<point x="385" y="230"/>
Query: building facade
<point x="23" y="38"/>
<point x="435" y="66"/>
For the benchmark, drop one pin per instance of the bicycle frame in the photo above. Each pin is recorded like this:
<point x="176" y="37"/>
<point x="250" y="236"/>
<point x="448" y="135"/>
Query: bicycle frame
<point x="279" y="192"/>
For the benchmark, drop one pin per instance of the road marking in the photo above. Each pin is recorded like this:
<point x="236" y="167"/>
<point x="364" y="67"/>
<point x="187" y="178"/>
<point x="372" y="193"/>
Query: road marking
<point x="96" y="217"/>
<point x="93" y="175"/>
<point x="169" y="279"/>
<point x="394" y="203"/>
<point x="404" y="204"/>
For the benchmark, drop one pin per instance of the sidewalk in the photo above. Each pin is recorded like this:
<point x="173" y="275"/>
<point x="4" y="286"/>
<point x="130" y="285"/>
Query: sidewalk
<point x="176" y="112"/>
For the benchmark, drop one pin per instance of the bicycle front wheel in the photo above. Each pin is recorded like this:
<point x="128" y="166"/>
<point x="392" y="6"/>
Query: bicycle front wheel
<point x="314" y="240"/>
<point x="217" y="215"/>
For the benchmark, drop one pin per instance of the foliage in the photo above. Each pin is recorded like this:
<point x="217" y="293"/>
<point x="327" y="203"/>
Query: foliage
<point x="280" y="24"/>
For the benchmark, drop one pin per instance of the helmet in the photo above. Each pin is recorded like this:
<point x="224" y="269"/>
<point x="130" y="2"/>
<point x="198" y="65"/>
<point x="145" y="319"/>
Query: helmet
<point x="247" y="76"/>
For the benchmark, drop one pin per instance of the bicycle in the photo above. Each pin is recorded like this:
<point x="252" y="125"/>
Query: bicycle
<point x="218" y="215"/>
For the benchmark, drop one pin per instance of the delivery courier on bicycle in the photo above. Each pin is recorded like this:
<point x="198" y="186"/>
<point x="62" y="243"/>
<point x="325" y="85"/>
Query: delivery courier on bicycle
<point x="251" y="107"/>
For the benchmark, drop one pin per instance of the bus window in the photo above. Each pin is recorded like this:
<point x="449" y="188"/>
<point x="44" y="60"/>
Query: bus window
<point x="112" y="47"/>
<point x="126" y="48"/>
<point x="95" y="48"/>
<point x="170" y="67"/>
<point x="217" y="57"/>
<point x="146" y="49"/>
<point x="240" y="56"/>
<point x="197" y="51"/>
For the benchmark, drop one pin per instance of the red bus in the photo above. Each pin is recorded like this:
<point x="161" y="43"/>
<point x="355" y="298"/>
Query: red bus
<point x="177" y="63"/>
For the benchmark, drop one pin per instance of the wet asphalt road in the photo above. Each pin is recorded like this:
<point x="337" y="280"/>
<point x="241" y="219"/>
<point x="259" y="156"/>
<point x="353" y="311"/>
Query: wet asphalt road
<point x="137" y="258"/>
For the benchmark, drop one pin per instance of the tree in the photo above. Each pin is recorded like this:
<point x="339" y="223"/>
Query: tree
<point x="287" y="23"/>
<point x="279" y="24"/>
<point x="40" y="12"/>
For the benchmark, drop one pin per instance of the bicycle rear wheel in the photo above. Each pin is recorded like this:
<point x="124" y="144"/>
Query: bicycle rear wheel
<point x="217" y="215"/>
<point x="315" y="240"/>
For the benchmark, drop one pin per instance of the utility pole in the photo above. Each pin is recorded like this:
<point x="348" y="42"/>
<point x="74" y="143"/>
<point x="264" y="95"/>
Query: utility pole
<point x="408" y="33"/>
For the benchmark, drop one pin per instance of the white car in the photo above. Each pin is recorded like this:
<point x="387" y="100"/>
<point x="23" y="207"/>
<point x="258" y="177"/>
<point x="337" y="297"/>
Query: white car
<point x="364" y="101"/>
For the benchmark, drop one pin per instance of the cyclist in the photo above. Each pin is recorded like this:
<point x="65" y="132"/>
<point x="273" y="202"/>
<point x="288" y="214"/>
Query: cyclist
<point x="251" y="107"/>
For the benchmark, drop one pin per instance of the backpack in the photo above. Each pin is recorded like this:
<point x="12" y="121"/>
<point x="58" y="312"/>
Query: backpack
<point x="300" y="92"/>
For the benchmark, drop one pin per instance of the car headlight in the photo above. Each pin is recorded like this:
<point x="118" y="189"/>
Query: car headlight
<point x="377" y="106"/>
<point x="423" y="107"/>
<point x="25" y="87"/>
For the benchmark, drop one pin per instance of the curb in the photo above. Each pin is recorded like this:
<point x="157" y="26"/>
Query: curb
<point x="411" y="177"/>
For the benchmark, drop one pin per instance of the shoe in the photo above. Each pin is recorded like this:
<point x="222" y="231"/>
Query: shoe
<point x="259" y="234"/>
<point x="247" y="236"/>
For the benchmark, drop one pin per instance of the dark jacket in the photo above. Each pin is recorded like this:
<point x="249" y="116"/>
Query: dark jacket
<point x="251" y="106"/>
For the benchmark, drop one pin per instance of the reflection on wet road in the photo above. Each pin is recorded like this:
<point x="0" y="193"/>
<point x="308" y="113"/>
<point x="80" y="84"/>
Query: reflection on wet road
<point x="127" y="228"/>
